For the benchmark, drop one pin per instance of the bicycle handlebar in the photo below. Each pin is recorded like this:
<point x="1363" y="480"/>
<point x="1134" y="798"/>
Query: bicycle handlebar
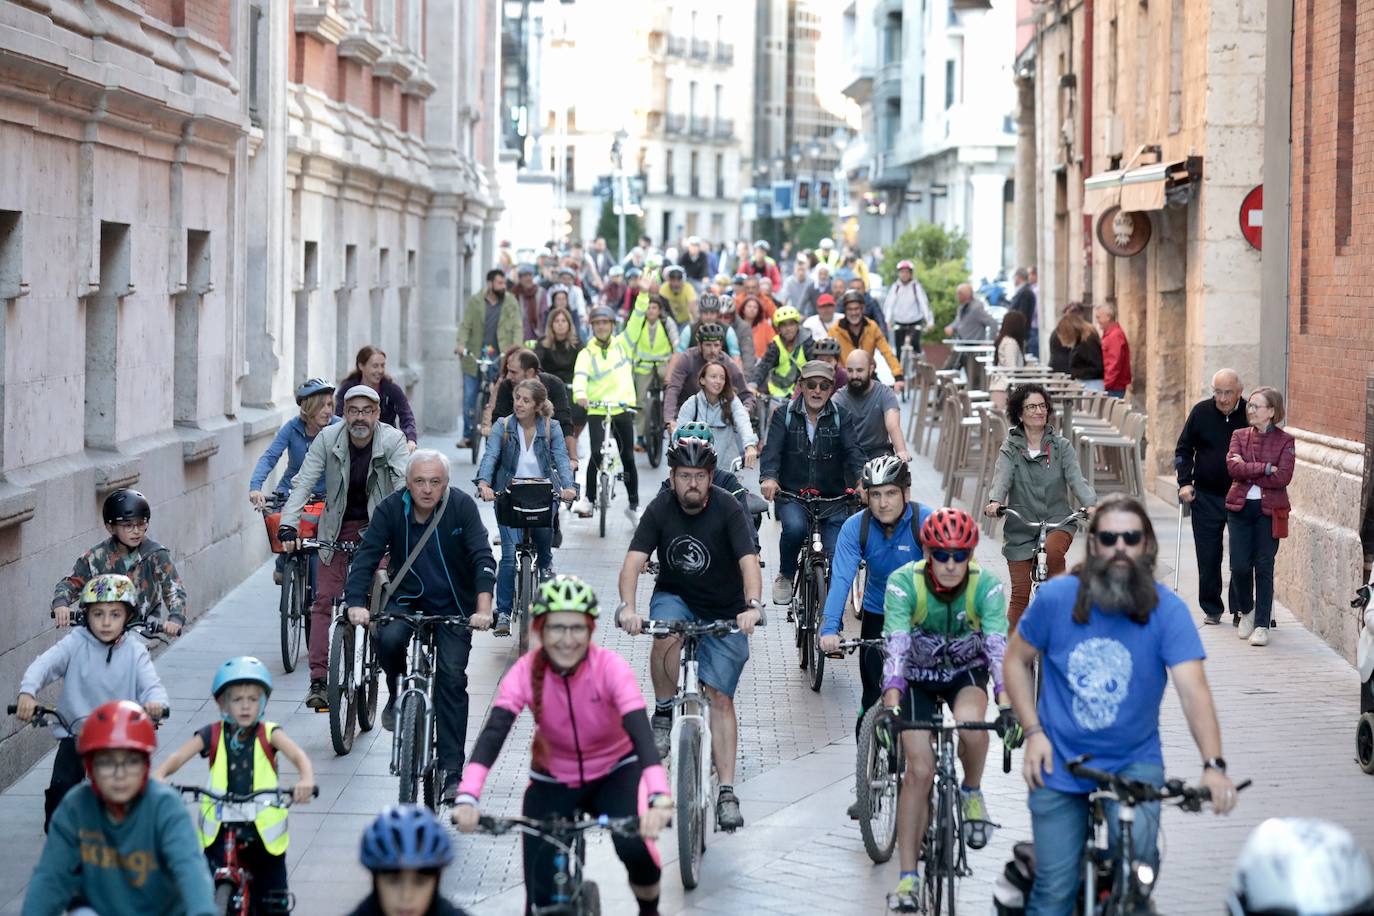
<point x="692" y="627"/>
<point x="147" y="626"/>
<point x="1075" y="517"/>
<point x="606" y="405"/>
<point x="448" y="620"/>
<point x="1135" y="792"/>
<point x="42" y="712"/>
<point x="850" y="646"/>
<point x="558" y="827"/>
<point x="283" y="797"/>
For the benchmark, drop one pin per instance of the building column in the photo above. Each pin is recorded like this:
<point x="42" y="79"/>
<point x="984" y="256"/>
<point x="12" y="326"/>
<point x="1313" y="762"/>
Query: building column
<point x="441" y="261"/>
<point x="1023" y="207"/>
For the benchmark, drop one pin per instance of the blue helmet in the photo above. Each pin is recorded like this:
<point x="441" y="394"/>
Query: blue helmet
<point x="245" y="669"/>
<point x="405" y="837"/>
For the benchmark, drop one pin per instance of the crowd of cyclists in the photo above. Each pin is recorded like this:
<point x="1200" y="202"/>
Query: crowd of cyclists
<point x="766" y="392"/>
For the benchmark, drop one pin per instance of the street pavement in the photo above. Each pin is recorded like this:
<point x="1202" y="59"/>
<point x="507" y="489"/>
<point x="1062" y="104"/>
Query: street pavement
<point x="1288" y="716"/>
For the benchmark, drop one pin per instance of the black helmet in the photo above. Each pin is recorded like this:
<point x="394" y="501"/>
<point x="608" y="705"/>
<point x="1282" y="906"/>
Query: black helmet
<point x="312" y="386"/>
<point x="853" y="296"/>
<point x="692" y="453"/>
<point x="122" y="505"/>
<point x="710" y="331"/>
<point x="885" y="470"/>
<point x="825" y="346"/>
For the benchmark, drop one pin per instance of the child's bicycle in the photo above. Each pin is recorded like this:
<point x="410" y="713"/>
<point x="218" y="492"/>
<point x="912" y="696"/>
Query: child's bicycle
<point x="233" y="882"/>
<point x="147" y="627"/>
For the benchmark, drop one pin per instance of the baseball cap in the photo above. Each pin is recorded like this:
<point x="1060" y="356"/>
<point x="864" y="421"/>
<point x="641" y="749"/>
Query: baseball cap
<point x="817" y="368"/>
<point x="362" y="391"/>
<point x="825" y="299"/>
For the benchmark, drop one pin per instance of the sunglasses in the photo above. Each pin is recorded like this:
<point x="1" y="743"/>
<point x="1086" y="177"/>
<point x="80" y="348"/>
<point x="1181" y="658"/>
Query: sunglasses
<point x="1108" y="538"/>
<point x="815" y="385"/>
<point x="945" y="556"/>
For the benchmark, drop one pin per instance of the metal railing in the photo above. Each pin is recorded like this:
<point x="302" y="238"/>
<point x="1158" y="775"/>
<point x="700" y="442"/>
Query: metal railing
<point x="677" y="46"/>
<point x="701" y="49"/>
<point x="675" y="123"/>
<point x="724" y="128"/>
<point x="725" y="52"/>
<point x="701" y="126"/>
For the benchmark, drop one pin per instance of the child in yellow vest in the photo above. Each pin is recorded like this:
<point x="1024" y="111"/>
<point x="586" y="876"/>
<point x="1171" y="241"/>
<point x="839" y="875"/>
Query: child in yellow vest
<point x="242" y="749"/>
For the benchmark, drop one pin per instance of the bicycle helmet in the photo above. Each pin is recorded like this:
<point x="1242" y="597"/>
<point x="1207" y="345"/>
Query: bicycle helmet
<point x="601" y="312"/>
<point x="950" y="529"/>
<point x="853" y="295"/>
<point x="633" y="273"/>
<point x="905" y="265"/>
<point x="708" y="302"/>
<point x="1301" y="867"/>
<point x="564" y="593"/>
<point x="310" y="387"/>
<point x="692" y="453"/>
<point x="674" y="271"/>
<point x="739" y="278"/>
<point x="710" y="331"/>
<point x="405" y="838"/>
<point x="826" y="346"/>
<point x="245" y="669"/>
<point x="727" y="306"/>
<point x="123" y="505"/>
<point x="110" y="587"/>
<point x="116" y="725"/>
<point x="887" y="470"/>
<point x="785" y="314"/>
<point x="763" y="244"/>
<point x="694" y="429"/>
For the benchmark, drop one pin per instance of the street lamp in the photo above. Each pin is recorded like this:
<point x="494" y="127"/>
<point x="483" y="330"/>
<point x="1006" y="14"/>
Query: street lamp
<point x="618" y="158"/>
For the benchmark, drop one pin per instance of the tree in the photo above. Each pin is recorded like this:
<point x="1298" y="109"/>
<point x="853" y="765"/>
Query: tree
<point x="940" y="257"/>
<point x="815" y="227"/>
<point x="608" y="227"/>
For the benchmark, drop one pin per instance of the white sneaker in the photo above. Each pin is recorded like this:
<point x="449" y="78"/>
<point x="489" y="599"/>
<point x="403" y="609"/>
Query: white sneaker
<point x="1247" y="625"/>
<point x="583" y="508"/>
<point x="782" y="590"/>
<point x="1260" y="637"/>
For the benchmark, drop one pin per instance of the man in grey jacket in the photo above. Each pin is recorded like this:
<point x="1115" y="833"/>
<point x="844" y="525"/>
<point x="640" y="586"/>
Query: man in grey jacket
<point x="972" y="321"/>
<point x="363" y="461"/>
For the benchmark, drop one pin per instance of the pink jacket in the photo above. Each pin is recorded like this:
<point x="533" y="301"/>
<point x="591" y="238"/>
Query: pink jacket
<point x="1256" y="450"/>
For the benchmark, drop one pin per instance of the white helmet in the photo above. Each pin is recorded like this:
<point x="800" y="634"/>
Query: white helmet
<point x="827" y="244"/>
<point x="1301" y="867"/>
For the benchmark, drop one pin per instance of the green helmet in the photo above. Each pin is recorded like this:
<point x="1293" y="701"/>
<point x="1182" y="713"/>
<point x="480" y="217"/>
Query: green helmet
<point x="694" y="429"/>
<point x="564" y="593"/>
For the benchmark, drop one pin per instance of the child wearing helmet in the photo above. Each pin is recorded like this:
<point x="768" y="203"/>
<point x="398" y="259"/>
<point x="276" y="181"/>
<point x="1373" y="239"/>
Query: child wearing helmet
<point x="128" y="552"/>
<point x="406" y="849"/>
<point x="120" y="843"/>
<point x="593" y="747"/>
<point x="242" y="750"/>
<point x="96" y="663"/>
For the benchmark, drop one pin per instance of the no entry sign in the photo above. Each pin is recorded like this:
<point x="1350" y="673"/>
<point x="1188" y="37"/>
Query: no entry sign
<point x="1252" y="216"/>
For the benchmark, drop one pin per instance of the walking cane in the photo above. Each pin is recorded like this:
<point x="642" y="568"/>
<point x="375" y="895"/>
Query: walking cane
<point x="1178" y="545"/>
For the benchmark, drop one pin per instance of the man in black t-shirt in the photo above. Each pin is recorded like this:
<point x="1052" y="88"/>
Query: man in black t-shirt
<point x="707" y="571"/>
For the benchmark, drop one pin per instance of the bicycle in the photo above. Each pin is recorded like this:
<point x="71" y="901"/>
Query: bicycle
<point x="351" y="688"/>
<point x="764" y="405"/>
<point x="485" y="363"/>
<point x="694" y="774"/>
<point x="572" y="894"/>
<point x="147" y="627"/>
<point x="610" y="468"/>
<point x="1128" y="883"/>
<point x="811" y="584"/>
<point x="233" y="882"/>
<point x="297" y="594"/>
<point x="526" y="505"/>
<point x="414" y="757"/>
<point x="653" y="418"/>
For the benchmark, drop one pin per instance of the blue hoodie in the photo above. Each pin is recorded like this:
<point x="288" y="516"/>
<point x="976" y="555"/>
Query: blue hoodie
<point x="884" y="555"/>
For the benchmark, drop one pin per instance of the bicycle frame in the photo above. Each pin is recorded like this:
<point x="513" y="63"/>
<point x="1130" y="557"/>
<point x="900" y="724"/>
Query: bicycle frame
<point x="568" y="837"/>
<point x="1041" y="571"/>
<point x="690" y="704"/>
<point x="418" y="681"/>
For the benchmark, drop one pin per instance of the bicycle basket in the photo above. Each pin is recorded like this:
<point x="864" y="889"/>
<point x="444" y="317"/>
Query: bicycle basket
<point x="309" y="525"/>
<point x="527" y="504"/>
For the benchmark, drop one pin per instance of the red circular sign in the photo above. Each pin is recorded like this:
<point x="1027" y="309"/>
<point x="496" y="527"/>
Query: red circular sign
<point x="1252" y="216"/>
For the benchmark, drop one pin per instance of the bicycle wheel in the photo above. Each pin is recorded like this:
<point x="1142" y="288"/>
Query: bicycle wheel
<point x="367" y="678"/>
<point x="603" y="498"/>
<point x="819" y="591"/>
<point x="653" y="431"/>
<point x="589" y="900"/>
<point x="877" y="788"/>
<point x="952" y="829"/>
<point x="476" y="434"/>
<point x="410" y="732"/>
<point x="802" y="602"/>
<point x="691" y="819"/>
<point x="525" y="585"/>
<point x="343" y="705"/>
<point x="291" y="625"/>
<point x="934" y="853"/>
<point x="224" y="899"/>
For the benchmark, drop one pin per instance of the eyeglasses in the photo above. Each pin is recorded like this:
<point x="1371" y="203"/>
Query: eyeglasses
<point x="109" y="766"/>
<point x="1257" y="405"/>
<point x="1040" y="407"/>
<point x="135" y="525"/>
<point x="558" y="630"/>
<point x="818" y="385"/>
<point x="1109" y="538"/>
<point x="946" y="556"/>
<point x="356" y="412"/>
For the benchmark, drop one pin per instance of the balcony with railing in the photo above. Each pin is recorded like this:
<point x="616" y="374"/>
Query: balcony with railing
<point x="701" y="49"/>
<point x="675" y="124"/>
<point x="696" y="186"/>
<point x="701" y="126"/>
<point x="724" y="128"/>
<point x="720" y="188"/>
<point x="669" y="183"/>
<point x="676" y="46"/>
<point x="725" y="53"/>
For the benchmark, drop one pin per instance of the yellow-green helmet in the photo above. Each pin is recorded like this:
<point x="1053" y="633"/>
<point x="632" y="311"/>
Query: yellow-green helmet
<point x="110" y="587"/>
<point x="564" y="593"/>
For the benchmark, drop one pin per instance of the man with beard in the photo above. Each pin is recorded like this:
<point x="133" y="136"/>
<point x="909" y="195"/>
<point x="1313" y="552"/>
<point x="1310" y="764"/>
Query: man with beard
<point x="856" y="331"/>
<point x="1109" y="638"/>
<point x="363" y="461"/>
<point x="708" y="571"/>
<point x="877" y="415"/>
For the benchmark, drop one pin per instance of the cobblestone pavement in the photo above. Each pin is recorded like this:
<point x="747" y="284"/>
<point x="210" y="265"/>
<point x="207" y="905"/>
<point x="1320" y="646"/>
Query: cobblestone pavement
<point x="1288" y="714"/>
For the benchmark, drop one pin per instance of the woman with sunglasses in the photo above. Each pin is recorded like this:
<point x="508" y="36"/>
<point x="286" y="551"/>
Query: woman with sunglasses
<point x="592" y="743"/>
<point x="1037" y="472"/>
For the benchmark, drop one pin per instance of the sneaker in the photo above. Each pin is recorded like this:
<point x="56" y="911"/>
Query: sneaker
<point x="316" y="697"/>
<point x="502" y="627"/>
<point x="583" y="508"/>
<point x="448" y="786"/>
<point x="663" y="734"/>
<point x="906" y="897"/>
<point x="1247" y="625"/>
<point x="728" y="817"/>
<point x="1260" y="637"/>
<point x="782" y="589"/>
<point x="389" y="714"/>
<point x="632" y="513"/>
<point x="1209" y="621"/>
<point x="464" y="443"/>
<point x="855" y="811"/>
<point x="977" y="827"/>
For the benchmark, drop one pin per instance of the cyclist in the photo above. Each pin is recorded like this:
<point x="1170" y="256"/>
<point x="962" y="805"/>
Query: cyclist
<point x="907" y="308"/>
<point x="522" y="365"/>
<point x="762" y="265"/>
<point x="128" y="552"/>
<point x="492" y="322"/>
<point x="734" y="323"/>
<point x="719" y="406"/>
<point x="652" y="336"/>
<point x="406" y="849"/>
<point x="882" y="547"/>
<point x="945" y="627"/>
<point x="593" y="747"/>
<point x="242" y="749"/>
<point x="825" y="318"/>
<point x="119" y="843"/>
<point x="605" y="372"/>
<point x="855" y="331"/>
<point x="370" y="370"/>
<point x="1301" y="865"/>
<point x="680" y="296"/>
<point x="720" y="477"/>
<point x="708" y="570"/>
<point x="877" y="415"/>
<point x="557" y="353"/>
<point x="779" y="365"/>
<point x="812" y="445"/>
<point x="96" y="663"/>
<point x="1036" y="471"/>
<point x="686" y="368"/>
<point x="362" y="462"/>
<point x="1109" y="638"/>
<point x="709" y="312"/>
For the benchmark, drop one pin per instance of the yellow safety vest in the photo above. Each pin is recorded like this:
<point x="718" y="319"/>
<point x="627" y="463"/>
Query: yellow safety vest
<point x="605" y="375"/>
<point x="782" y="381"/>
<point x="270" y="821"/>
<point x="646" y="353"/>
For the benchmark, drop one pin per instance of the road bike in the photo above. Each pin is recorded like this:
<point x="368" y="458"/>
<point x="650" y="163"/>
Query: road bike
<point x="1116" y="884"/>
<point x="653" y="417"/>
<point x="693" y="768"/>
<point x="524" y="506"/>
<point x="297" y="594"/>
<point x="909" y="358"/>
<point x="610" y="469"/>
<point x="236" y="813"/>
<point x="414" y="752"/>
<point x="485" y="364"/>
<point x="811" y="583"/>
<point x="573" y="895"/>
<point x="351" y="688"/>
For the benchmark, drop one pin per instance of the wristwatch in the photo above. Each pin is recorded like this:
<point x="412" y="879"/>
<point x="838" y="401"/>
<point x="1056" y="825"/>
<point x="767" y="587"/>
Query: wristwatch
<point x="660" y="800"/>
<point x="752" y="604"/>
<point x="1215" y="763"/>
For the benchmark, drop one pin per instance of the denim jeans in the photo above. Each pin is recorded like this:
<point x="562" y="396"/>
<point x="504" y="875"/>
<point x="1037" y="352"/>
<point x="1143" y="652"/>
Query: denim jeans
<point x="1253" y="548"/>
<point x="505" y="570"/>
<point x="792" y="516"/>
<point x="1059" y="825"/>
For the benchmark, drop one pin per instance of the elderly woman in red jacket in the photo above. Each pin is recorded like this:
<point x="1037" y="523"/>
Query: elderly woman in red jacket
<point x="1260" y="462"/>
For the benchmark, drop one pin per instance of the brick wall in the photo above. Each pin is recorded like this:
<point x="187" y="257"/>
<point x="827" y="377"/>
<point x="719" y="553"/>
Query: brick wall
<point x="1331" y="310"/>
<point x="207" y="17"/>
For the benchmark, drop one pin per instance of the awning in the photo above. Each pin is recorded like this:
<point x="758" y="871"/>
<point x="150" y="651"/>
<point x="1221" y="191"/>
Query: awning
<point x="1143" y="188"/>
<point x="1102" y="191"/>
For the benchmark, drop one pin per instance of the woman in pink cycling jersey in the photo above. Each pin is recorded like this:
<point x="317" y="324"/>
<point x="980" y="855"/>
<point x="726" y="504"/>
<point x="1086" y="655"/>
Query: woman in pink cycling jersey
<point x="594" y="753"/>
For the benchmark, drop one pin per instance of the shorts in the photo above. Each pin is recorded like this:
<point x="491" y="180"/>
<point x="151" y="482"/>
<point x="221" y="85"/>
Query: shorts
<point x="720" y="659"/>
<point x="918" y="703"/>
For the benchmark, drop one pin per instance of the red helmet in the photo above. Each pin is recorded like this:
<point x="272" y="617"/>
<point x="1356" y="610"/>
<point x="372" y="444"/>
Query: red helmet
<point x="950" y="529"/>
<point x="117" y="725"/>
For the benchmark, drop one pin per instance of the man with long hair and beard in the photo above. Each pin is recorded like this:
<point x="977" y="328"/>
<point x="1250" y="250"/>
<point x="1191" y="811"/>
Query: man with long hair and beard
<point x="1108" y="637"/>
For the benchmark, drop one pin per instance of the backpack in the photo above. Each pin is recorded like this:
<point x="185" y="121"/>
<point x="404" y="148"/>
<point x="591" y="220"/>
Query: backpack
<point x="217" y="731"/>
<point x="868" y="520"/>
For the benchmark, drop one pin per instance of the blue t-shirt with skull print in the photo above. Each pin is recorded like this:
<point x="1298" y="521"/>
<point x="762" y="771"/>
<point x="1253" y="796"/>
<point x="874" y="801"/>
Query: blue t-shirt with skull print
<point x="1104" y="680"/>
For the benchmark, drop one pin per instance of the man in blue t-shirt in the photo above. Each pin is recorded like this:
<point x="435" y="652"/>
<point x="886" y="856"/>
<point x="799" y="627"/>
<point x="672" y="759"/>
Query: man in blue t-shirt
<point x="1108" y="636"/>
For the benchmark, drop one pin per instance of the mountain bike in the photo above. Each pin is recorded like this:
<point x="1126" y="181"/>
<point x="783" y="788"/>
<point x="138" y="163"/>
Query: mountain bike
<point x="811" y="584"/>
<point x="572" y="894"/>
<point x="236" y="813"/>
<point x="486" y="362"/>
<point x="352" y="676"/>
<point x="693" y="768"/>
<point x="653" y="418"/>
<point x="610" y="469"/>
<point x="1116" y="884"/>
<point x="524" y="506"/>
<point x="297" y="593"/>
